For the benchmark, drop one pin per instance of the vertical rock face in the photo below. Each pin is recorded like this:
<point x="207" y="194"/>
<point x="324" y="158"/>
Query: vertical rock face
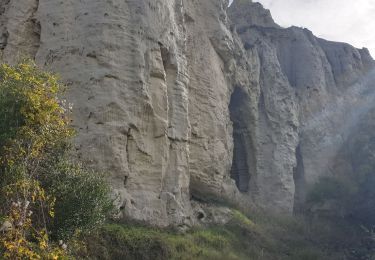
<point x="150" y="84"/>
<point x="177" y="102"/>
<point x="19" y="29"/>
<point x="312" y="90"/>
<point x="125" y="63"/>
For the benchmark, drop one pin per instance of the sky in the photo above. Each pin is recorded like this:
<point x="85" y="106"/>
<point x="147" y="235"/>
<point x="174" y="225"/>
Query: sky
<point x="337" y="20"/>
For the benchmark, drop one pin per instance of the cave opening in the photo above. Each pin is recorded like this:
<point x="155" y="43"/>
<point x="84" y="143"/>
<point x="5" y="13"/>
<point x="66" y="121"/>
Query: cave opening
<point x="243" y="150"/>
<point x="299" y="182"/>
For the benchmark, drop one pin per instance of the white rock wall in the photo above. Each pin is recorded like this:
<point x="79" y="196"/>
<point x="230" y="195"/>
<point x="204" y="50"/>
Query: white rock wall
<point x="157" y="84"/>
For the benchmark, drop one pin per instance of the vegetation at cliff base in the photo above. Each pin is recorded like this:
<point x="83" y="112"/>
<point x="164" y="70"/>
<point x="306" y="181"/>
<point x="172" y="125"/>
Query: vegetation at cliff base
<point x="52" y="207"/>
<point x="46" y="198"/>
<point x="256" y="235"/>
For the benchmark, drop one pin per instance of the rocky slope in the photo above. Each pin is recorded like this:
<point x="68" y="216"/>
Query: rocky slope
<point x="180" y="102"/>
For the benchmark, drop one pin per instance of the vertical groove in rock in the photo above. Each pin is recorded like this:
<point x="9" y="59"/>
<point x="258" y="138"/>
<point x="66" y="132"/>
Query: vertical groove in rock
<point x="299" y="182"/>
<point x="243" y="165"/>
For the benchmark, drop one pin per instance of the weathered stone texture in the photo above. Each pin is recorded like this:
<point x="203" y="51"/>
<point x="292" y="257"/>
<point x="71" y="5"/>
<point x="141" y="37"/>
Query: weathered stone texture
<point x="312" y="89"/>
<point x="178" y="102"/>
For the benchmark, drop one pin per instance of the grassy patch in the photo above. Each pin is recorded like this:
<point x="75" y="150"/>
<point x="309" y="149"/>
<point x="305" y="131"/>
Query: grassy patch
<point x="251" y="236"/>
<point x="115" y="241"/>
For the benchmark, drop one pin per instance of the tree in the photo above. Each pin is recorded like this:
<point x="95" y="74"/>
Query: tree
<point x="39" y="180"/>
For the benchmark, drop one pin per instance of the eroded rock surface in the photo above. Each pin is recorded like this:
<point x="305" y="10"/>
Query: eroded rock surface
<point x="311" y="92"/>
<point x="177" y="102"/>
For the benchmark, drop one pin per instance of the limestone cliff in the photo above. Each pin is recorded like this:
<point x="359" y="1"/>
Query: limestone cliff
<point x="179" y="103"/>
<point x="311" y="90"/>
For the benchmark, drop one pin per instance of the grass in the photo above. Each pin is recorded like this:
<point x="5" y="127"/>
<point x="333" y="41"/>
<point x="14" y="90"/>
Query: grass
<point x="251" y="237"/>
<point x="115" y="241"/>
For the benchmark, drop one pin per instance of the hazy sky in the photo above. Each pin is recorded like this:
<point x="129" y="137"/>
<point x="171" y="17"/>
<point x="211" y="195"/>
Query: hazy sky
<point x="338" y="20"/>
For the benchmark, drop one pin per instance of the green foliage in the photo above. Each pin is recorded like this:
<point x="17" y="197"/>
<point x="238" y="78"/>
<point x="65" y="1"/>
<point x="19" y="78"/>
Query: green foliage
<point x="116" y="241"/>
<point x="241" y="220"/>
<point x="34" y="119"/>
<point x="41" y="189"/>
<point x="9" y="113"/>
<point x="263" y="236"/>
<point x="82" y="198"/>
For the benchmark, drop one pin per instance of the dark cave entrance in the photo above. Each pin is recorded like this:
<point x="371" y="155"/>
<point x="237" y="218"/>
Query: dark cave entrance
<point x="243" y="165"/>
<point x="299" y="182"/>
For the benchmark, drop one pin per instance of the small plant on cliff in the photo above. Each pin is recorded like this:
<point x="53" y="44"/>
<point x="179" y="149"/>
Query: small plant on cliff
<point x="43" y="193"/>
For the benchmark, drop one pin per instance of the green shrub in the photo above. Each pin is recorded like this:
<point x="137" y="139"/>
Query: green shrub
<point x="42" y="191"/>
<point x="83" y="199"/>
